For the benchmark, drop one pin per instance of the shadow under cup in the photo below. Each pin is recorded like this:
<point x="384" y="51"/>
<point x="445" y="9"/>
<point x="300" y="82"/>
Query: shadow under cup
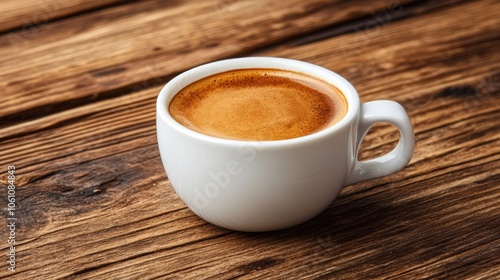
<point x="258" y="185"/>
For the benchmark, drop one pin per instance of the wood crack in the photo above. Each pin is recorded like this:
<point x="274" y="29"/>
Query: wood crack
<point x="367" y="22"/>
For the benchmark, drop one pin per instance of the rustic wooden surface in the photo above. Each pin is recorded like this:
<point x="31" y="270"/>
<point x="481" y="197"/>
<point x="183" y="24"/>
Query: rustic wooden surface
<point x="78" y="83"/>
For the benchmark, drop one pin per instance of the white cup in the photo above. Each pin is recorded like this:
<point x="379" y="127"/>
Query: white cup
<point x="270" y="185"/>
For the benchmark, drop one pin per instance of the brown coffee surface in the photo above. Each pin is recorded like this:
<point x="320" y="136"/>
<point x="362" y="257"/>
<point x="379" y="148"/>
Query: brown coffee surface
<point x="258" y="104"/>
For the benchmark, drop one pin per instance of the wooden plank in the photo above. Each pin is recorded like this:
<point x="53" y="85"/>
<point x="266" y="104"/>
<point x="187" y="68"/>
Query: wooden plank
<point x="33" y="14"/>
<point x="103" y="55"/>
<point x="98" y="163"/>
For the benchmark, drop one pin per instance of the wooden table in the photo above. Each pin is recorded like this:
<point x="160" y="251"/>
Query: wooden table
<point x="78" y="84"/>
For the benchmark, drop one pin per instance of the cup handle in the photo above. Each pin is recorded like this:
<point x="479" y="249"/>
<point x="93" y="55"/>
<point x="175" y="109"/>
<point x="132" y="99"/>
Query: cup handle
<point x="382" y="111"/>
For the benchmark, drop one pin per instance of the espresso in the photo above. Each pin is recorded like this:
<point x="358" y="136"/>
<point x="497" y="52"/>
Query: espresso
<point x="258" y="104"/>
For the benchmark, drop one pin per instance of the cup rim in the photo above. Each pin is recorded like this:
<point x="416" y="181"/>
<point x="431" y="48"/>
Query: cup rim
<point x="182" y="80"/>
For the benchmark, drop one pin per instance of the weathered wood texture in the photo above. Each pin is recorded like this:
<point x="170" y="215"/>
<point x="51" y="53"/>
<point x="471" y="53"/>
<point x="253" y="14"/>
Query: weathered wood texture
<point x="117" y="50"/>
<point x="95" y="203"/>
<point x="29" y="15"/>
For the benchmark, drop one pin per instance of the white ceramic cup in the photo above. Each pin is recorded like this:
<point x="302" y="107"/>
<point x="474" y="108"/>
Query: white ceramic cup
<point x="270" y="185"/>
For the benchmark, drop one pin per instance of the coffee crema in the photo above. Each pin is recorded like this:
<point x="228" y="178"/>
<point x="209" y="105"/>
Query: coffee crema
<point x="258" y="104"/>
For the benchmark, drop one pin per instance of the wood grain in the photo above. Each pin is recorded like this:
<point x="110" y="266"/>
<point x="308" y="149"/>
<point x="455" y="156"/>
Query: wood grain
<point x="31" y="15"/>
<point x="95" y="203"/>
<point x="99" y="55"/>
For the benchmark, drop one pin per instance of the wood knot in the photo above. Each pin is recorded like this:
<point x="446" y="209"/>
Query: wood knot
<point x="458" y="92"/>
<point x="92" y="191"/>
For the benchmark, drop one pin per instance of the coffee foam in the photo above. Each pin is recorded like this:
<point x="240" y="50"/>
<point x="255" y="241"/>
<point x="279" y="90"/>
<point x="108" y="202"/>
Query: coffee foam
<point x="258" y="104"/>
